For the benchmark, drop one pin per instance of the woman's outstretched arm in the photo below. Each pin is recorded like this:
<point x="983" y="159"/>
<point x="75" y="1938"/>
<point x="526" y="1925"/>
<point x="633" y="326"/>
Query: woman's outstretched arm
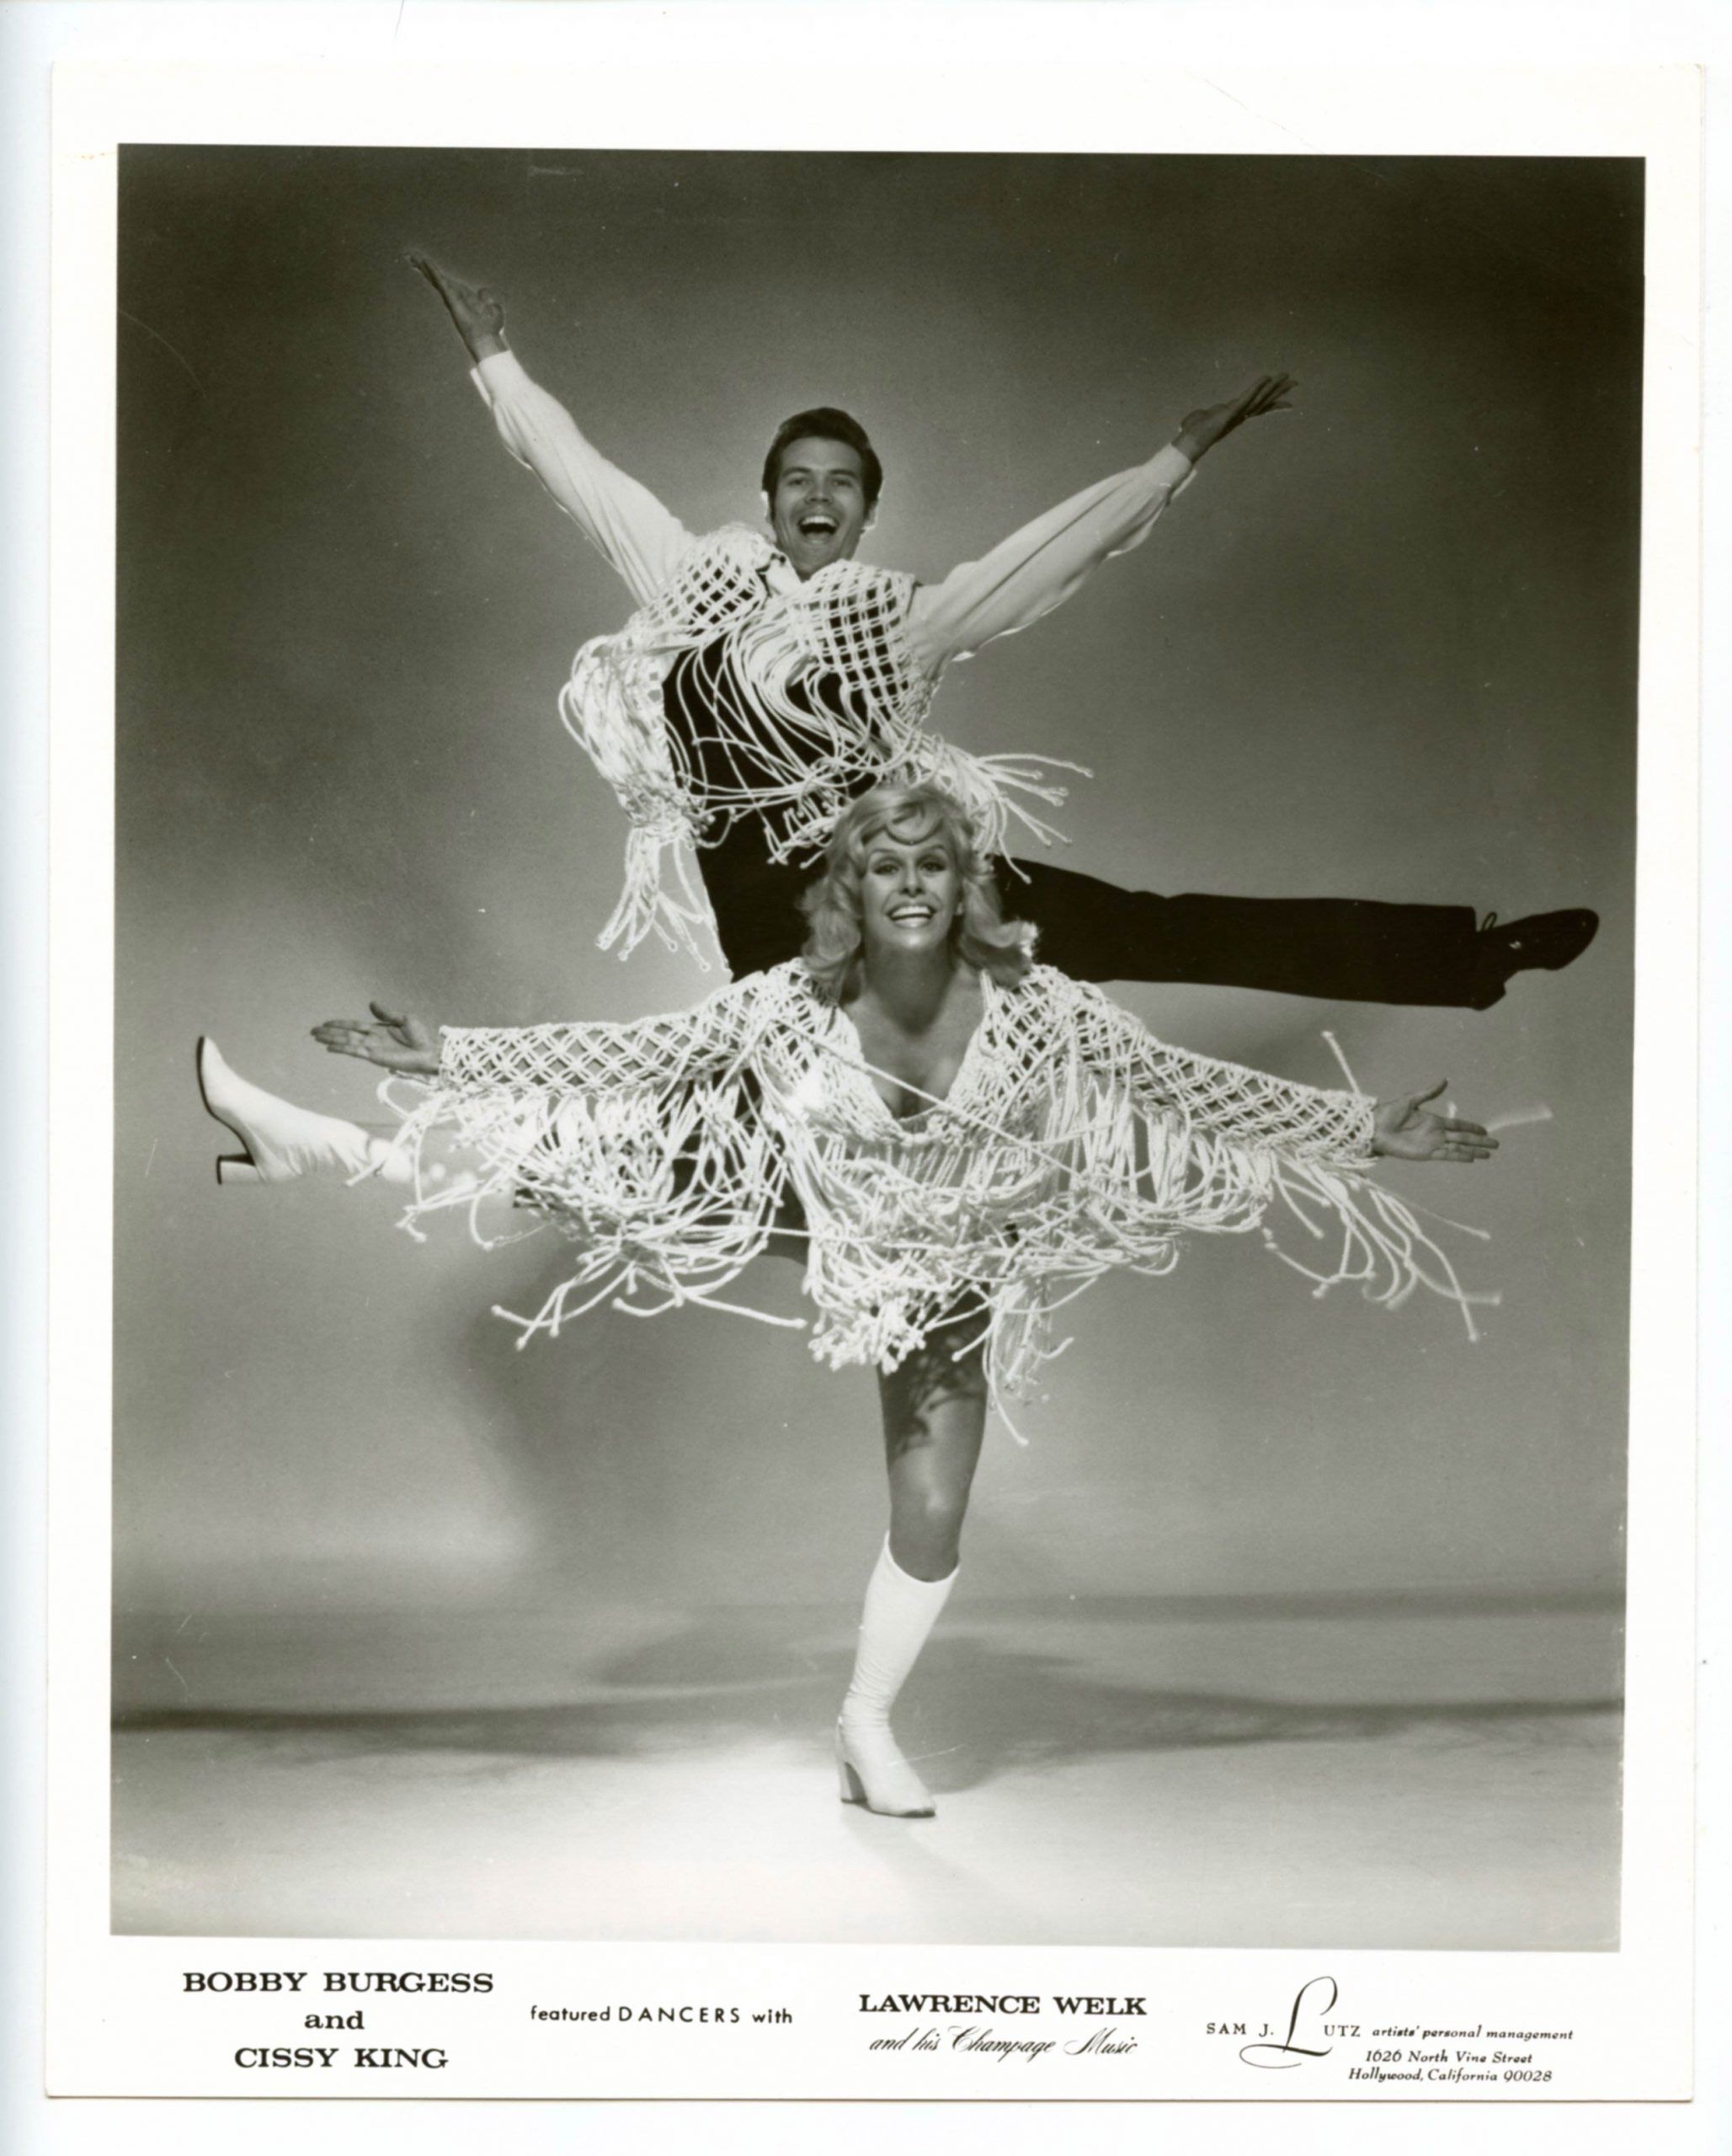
<point x="570" y="1058"/>
<point x="1255" y="1107"/>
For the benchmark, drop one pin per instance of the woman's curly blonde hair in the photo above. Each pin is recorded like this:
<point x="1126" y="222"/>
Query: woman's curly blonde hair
<point x="981" y="937"/>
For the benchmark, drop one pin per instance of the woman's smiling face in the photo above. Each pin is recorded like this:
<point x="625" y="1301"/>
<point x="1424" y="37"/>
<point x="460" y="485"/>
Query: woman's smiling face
<point x="910" y="891"/>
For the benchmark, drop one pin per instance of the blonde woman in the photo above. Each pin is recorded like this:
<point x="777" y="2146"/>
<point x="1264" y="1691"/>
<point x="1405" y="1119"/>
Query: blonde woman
<point x="952" y="1136"/>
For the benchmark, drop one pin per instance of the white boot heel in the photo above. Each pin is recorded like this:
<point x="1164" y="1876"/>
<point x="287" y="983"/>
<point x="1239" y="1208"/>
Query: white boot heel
<point x="873" y="1773"/>
<point x="851" y="1791"/>
<point x="283" y="1142"/>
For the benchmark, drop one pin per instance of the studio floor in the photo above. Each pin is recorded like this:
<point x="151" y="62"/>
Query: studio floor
<point x="1353" y="1771"/>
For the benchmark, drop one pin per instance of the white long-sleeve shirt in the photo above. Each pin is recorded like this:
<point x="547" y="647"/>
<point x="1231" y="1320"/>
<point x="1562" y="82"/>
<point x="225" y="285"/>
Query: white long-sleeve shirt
<point x="1024" y="577"/>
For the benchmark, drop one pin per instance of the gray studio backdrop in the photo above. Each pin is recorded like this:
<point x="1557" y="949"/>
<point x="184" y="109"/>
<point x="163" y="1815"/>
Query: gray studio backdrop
<point x="1385" y="646"/>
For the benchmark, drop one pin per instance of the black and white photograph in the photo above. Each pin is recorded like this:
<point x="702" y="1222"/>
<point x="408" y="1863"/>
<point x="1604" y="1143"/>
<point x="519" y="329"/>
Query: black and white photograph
<point x="453" y="1597"/>
<point x="893" y="923"/>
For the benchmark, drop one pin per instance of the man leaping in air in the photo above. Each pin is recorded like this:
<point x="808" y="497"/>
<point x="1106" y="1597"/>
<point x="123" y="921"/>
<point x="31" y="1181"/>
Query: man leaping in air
<point x="765" y="681"/>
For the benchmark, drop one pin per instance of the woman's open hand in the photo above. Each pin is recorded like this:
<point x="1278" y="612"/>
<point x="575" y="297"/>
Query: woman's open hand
<point x="1406" y="1129"/>
<point x="1199" y="430"/>
<point x="478" y="314"/>
<point x="398" y="1043"/>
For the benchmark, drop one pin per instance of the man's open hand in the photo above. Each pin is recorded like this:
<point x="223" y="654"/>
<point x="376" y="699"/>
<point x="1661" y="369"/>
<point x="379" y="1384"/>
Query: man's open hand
<point x="1202" y="429"/>
<point x="479" y="315"/>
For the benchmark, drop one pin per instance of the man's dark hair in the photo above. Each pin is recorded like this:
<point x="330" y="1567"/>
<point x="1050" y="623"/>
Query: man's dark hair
<point x="825" y="423"/>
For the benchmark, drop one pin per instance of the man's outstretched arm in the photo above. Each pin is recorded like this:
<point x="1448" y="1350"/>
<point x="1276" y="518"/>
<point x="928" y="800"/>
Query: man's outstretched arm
<point x="1038" y="568"/>
<point x="639" y="539"/>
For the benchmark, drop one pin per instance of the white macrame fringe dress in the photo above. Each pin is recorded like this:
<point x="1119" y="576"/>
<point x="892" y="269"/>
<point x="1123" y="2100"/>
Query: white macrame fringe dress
<point x="1072" y="1143"/>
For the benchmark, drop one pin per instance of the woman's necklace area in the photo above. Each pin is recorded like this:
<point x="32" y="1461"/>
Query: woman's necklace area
<point x="939" y="1084"/>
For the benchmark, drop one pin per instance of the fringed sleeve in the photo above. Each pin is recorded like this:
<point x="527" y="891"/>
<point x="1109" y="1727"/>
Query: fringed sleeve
<point x="1219" y="1143"/>
<point x="598" y="1057"/>
<point x="642" y="1144"/>
<point x="1251" y="1108"/>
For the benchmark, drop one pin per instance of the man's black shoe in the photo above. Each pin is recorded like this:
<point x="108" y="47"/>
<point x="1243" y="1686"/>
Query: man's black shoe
<point x="1551" y="941"/>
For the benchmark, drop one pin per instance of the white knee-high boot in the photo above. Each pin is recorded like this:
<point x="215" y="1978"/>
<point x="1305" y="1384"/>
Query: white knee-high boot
<point x="899" y="1614"/>
<point x="280" y="1141"/>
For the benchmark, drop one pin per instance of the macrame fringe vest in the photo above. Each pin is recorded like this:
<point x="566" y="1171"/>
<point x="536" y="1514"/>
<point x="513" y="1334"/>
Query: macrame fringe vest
<point x="806" y="761"/>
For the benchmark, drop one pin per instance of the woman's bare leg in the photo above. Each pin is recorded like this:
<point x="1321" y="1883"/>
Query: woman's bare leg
<point x="934" y="1411"/>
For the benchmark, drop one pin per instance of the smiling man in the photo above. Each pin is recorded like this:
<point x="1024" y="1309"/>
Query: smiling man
<point x="822" y="480"/>
<point x="765" y="681"/>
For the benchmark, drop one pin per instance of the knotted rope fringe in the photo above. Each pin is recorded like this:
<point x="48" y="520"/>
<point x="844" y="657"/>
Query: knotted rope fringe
<point x="1072" y="1144"/>
<point x="797" y="759"/>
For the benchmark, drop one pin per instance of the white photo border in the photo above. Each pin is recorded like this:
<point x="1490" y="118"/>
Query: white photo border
<point x="116" y="2027"/>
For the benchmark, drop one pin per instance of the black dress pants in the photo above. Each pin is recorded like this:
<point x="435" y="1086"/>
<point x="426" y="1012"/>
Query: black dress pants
<point x="1347" y="950"/>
